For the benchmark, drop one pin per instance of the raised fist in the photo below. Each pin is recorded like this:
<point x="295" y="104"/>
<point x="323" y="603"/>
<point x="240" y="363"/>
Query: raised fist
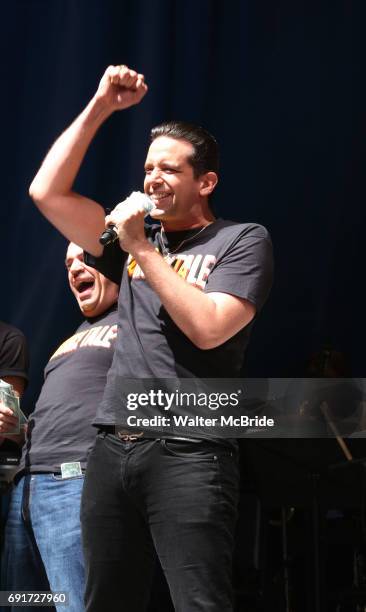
<point x="121" y="87"/>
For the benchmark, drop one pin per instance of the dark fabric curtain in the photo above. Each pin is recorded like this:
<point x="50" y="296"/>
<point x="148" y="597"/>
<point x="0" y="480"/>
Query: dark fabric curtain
<point x="280" y="84"/>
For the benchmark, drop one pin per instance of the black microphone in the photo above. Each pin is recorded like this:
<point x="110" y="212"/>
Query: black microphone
<point x="110" y="235"/>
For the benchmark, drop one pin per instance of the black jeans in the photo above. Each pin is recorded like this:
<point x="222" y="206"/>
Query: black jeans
<point x="177" y="497"/>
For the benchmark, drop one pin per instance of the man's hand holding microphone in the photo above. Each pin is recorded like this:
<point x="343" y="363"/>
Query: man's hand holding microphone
<point x="125" y="222"/>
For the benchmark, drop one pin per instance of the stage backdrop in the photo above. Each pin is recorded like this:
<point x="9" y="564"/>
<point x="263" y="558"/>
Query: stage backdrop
<point x="278" y="83"/>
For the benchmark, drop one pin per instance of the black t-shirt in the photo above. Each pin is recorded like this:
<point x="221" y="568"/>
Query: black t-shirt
<point x="224" y="257"/>
<point x="60" y="429"/>
<point x="14" y="359"/>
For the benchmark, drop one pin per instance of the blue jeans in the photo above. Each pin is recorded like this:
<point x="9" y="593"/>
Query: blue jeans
<point x="179" y="498"/>
<point x="42" y="547"/>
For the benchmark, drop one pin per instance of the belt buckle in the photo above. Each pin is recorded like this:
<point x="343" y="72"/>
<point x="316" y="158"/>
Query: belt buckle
<point x="126" y="437"/>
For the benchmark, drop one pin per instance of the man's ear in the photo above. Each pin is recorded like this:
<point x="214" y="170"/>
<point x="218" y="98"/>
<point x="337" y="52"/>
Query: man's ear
<point x="208" y="182"/>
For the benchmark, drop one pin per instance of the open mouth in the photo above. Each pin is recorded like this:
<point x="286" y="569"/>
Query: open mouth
<point x="84" y="286"/>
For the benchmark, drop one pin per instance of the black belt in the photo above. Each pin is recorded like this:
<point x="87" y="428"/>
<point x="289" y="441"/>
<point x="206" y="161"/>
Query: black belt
<point x="125" y="436"/>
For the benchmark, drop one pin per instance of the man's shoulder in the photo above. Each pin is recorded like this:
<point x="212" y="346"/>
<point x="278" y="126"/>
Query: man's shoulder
<point x="242" y="229"/>
<point x="228" y="234"/>
<point x="14" y="357"/>
<point x="11" y="339"/>
<point x="8" y="331"/>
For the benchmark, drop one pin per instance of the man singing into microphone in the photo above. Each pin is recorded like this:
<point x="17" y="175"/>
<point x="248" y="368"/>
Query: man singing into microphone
<point x="191" y="286"/>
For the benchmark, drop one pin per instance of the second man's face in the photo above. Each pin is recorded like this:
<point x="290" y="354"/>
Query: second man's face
<point x="93" y="291"/>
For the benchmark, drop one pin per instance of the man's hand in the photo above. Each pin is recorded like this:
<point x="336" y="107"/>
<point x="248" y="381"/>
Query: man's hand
<point x="128" y="219"/>
<point x="8" y="422"/>
<point x="121" y="87"/>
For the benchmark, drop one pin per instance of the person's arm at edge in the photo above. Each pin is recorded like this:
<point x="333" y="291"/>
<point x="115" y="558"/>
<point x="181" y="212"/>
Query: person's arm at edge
<point x="6" y="415"/>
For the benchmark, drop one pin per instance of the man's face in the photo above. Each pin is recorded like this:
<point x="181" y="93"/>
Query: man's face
<point x="93" y="291"/>
<point x="169" y="180"/>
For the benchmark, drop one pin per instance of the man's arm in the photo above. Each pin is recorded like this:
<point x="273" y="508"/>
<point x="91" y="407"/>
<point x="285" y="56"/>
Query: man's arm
<point x="14" y="365"/>
<point x="207" y="319"/>
<point x="78" y="218"/>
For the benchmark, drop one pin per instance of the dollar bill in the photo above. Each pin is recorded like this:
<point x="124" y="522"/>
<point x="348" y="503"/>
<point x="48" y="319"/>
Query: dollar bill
<point x="12" y="401"/>
<point x="70" y="470"/>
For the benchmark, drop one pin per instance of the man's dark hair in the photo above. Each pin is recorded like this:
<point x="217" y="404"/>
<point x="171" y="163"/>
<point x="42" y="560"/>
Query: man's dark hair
<point x="205" y="157"/>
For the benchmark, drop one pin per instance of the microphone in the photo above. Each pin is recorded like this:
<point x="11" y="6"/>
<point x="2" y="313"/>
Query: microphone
<point x="110" y="235"/>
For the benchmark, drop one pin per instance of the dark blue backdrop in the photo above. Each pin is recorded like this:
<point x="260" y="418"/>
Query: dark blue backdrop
<point x="278" y="83"/>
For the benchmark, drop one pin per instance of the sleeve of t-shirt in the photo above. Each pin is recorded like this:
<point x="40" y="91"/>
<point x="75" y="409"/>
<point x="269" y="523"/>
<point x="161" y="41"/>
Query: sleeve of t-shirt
<point x="110" y="263"/>
<point x="246" y="267"/>
<point x="14" y="358"/>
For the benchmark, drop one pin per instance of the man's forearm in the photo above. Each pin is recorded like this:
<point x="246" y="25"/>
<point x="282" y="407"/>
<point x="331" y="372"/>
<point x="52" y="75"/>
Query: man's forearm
<point x="207" y="320"/>
<point x="78" y="218"/>
<point x="62" y="163"/>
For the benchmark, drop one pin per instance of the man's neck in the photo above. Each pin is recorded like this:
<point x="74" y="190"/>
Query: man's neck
<point x="186" y="224"/>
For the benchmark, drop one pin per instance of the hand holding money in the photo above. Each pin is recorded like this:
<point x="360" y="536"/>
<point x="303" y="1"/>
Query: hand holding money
<point x="12" y="420"/>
